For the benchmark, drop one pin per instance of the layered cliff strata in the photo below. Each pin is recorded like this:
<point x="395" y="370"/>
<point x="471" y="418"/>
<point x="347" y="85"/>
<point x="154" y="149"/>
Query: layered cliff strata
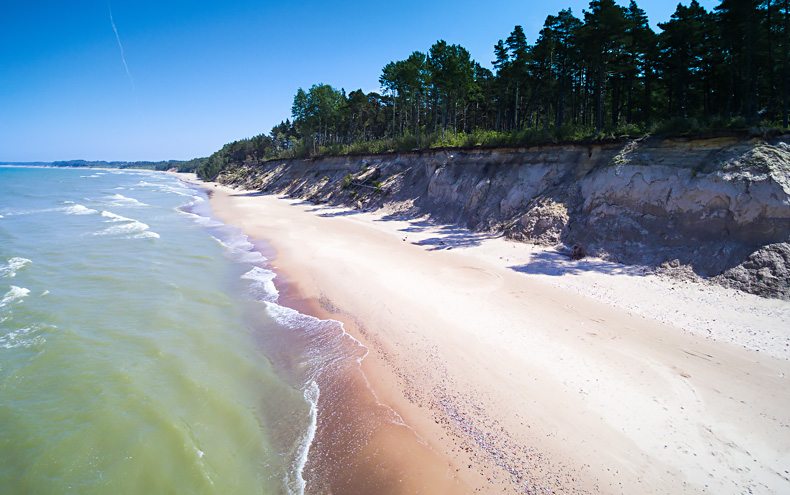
<point x="720" y="207"/>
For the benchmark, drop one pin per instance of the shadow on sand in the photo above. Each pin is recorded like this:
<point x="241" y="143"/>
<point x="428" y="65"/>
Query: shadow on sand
<point x="557" y="263"/>
<point x="446" y="236"/>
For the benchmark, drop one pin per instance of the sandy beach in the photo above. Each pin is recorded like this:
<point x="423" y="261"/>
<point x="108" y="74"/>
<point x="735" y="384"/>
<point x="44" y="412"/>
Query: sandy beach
<point x="521" y="371"/>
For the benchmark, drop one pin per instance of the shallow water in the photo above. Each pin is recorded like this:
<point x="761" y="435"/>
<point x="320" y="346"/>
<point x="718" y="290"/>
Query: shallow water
<point x="143" y="349"/>
<point x="126" y="361"/>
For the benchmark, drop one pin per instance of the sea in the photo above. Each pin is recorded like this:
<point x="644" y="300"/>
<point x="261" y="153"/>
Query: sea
<point x="144" y="349"/>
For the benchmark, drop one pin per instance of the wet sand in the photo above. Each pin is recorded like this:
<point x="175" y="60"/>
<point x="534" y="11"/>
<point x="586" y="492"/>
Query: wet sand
<point x="513" y="381"/>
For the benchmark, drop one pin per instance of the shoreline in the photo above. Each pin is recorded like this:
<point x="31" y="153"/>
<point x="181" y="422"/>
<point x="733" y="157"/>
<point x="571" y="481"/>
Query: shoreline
<point x="406" y="454"/>
<point x="539" y="386"/>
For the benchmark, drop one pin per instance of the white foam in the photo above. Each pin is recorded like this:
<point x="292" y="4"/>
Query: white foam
<point x="201" y="220"/>
<point x="120" y="199"/>
<point x="115" y="218"/>
<point x="30" y="212"/>
<point x="148" y="234"/>
<point x="15" y="339"/>
<point x="15" y="295"/>
<point x="130" y="227"/>
<point x="179" y="189"/>
<point x="78" y="210"/>
<point x="297" y="485"/>
<point x="262" y="284"/>
<point x="1" y="216"/>
<point x="241" y="249"/>
<point x="11" y="267"/>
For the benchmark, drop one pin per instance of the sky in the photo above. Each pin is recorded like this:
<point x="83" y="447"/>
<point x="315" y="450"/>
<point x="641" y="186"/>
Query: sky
<point x="159" y="80"/>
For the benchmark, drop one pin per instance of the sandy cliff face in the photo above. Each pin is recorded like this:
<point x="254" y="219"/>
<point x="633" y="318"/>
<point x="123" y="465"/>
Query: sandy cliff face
<point x="719" y="206"/>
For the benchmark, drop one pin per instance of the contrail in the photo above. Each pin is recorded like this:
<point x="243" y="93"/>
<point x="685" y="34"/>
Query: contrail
<point x="121" y="47"/>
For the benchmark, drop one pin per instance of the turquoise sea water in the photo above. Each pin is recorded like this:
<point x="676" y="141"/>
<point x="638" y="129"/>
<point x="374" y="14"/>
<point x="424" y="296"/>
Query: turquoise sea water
<point x="141" y="349"/>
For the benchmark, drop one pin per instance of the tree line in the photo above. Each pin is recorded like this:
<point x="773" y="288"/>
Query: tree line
<point x="604" y="73"/>
<point x="184" y="166"/>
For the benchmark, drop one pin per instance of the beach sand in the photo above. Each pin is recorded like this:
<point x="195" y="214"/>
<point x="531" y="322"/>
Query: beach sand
<point x="519" y="371"/>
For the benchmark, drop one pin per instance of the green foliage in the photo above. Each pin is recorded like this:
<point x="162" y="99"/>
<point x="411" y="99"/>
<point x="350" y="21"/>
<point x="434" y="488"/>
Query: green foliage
<point x="604" y="75"/>
<point x="178" y="165"/>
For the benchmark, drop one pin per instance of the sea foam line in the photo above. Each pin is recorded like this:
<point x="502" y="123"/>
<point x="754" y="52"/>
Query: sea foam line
<point x="181" y="190"/>
<point x="78" y="210"/>
<point x="201" y="220"/>
<point x="242" y="250"/>
<point x="121" y="200"/>
<point x="16" y="294"/>
<point x="262" y="283"/>
<point x="311" y="395"/>
<point x="12" y="340"/>
<point x="131" y="226"/>
<point x="115" y="218"/>
<point x="11" y="267"/>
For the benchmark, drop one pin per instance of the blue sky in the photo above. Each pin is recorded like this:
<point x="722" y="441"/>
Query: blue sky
<point x="207" y="73"/>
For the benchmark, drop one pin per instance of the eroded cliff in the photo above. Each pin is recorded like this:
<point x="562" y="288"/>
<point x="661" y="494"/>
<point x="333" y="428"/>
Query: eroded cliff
<point x="718" y="206"/>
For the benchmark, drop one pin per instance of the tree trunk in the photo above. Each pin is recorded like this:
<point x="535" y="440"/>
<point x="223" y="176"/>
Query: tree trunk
<point x="515" y="109"/>
<point x="785" y="74"/>
<point x="599" y="110"/>
<point x="748" y="109"/>
<point x="615" y="100"/>
<point x="560" y="103"/>
<point x="393" y="115"/>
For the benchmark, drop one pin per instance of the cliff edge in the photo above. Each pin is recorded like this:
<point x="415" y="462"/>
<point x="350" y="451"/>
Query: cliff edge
<point x="718" y="209"/>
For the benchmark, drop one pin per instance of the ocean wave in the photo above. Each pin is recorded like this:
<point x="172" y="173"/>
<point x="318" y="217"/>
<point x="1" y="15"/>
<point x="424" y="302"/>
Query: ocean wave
<point x="294" y="481"/>
<point x="121" y="200"/>
<point x="148" y="234"/>
<point x="15" y="295"/>
<point x="17" y="338"/>
<point x="262" y="285"/>
<point x="201" y="220"/>
<point x="180" y="189"/>
<point x="78" y="210"/>
<point x="115" y="218"/>
<point x="181" y="192"/>
<point x="13" y="213"/>
<point x="132" y="228"/>
<point x="197" y="201"/>
<point x="12" y="265"/>
<point x="242" y="250"/>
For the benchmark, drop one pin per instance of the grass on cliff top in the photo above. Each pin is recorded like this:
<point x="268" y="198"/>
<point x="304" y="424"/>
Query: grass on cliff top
<point x="569" y="133"/>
